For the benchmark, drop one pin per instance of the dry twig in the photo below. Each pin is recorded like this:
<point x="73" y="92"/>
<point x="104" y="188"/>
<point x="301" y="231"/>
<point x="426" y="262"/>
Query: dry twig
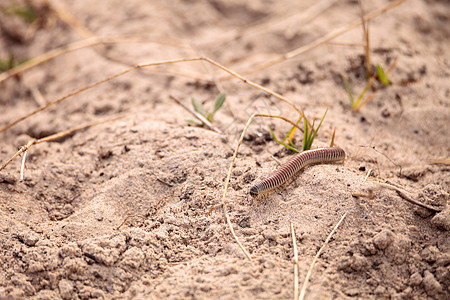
<point x="294" y="243"/>
<point x="405" y="196"/>
<point x="53" y="137"/>
<point x="144" y="65"/>
<point x="35" y="61"/>
<point x="329" y="36"/>
<point x="308" y="275"/>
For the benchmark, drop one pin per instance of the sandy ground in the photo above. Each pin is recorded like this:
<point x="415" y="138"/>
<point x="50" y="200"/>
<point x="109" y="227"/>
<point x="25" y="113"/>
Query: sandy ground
<point x="60" y="233"/>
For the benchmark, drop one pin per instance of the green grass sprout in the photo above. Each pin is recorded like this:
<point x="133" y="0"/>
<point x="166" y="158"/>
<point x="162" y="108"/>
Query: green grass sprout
<point x="358" y="103"/>
<point x="198" y="107"/>
<point x="348" y="89"/>
<point x="282" y="143"/>
<point x="6" y="64"/>
<point x="289" y="136"/>
<point x="220" y="100"/>
<point x="193" y="120"/>
<point x="9" y="63"/>
<point x="291" y="132"/>
<point x="309" y="136"/>
<point x="382" y="76"/>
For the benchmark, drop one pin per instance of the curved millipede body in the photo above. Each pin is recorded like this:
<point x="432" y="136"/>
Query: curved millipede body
<point x="295" y="164"/>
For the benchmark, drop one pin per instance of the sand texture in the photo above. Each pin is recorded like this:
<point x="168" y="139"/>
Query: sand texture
<point x="121" y="210"/>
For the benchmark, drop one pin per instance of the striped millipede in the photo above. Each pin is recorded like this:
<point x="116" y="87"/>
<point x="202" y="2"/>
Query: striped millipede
<point x="295" y="164"/>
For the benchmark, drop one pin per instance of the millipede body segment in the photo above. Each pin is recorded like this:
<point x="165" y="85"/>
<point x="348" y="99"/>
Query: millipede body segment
<point x="295" y="164"/>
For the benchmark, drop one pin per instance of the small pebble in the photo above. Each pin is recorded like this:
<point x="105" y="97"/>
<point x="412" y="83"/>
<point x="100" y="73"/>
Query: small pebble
<point x="270" y="234"/>
<point x="380" y="290"/>
<point x="443" y="274"/>
<point x="432" y="286"/>
<point x="430" y="254"/>
<point x="360" y="263"/>
<point x="422" y="212"/>
<point x="369" y="247"/>
<point x="442" y="220"/>
<point x="383" y="239"/>
<point x="415" y="279"/>
<point x="28" y="238"/>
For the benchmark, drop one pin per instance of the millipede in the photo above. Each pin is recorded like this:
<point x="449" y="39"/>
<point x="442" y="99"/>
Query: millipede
<point x="294" y="165"/>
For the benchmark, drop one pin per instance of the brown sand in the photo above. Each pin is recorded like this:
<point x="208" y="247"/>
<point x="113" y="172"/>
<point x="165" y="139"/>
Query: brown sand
<point x="159" y="176"/>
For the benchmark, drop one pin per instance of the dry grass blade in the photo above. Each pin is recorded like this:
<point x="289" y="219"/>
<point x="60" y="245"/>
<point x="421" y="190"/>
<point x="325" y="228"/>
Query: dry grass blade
<point x="230" y="225"/>
<point x="70" y="20"/>
<point x="388" y="158"/>
<point x="40" y="100"/>
<point x="22" y="167"/>
<point x="310" y="14"/>
<point x="197" y="115"/>
<point x="54" y="137"/>
<point x="365" y="27"/>
<point x="393" y="65"/>
<point x="72" y="130"/>
<point x="346" y="44"/>
<point x="21" y="150"/>
<point x="362" y="103"/>
<point x="332" y="137"/>
<point x="60" y="51"/>
<point x="294" y="244"/>
<point x="329" y="36"/>
<point x="47" y="56"/>
<point x="127" y="218"/>
<point x="82" y="30"/>
<point x="308" y="275"/>
<point x="273" y="23"/>
<point x="404" y="196"/>
<point x="255" y="85"/>
<point x="229" y="71"/>
<point x="440" y="161"/>
<point x="367" y="176"/>
<point x="359" y="103"/>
